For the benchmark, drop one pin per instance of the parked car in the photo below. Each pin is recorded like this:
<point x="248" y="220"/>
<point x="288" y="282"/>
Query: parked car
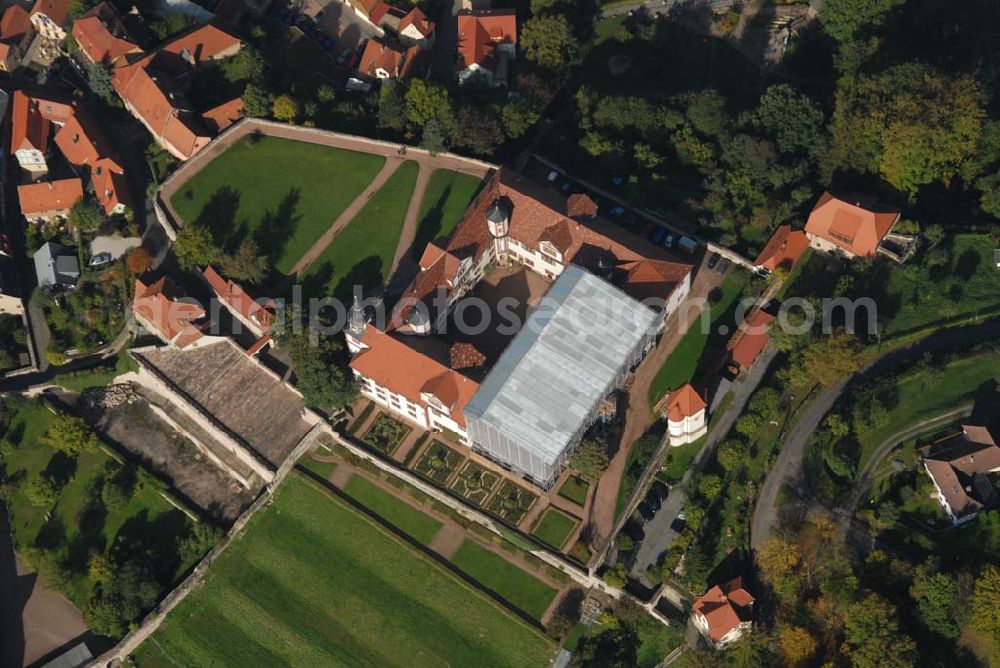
<point x="653" y="500"/>
<point x="646" y="512"/>
<point x="678" y="525"/>
<point x="669" y="241"/>
<point x="617" y="211"/>
<point x="634" y="531"/>
<point x="661" y="490"/>
<point x="658" y="237"/>
<point x="724" y="265"/>
<point x="343" y="56"/>
<point x="553" y="175"/>
<point x="687" y="244"/>
<point x="713" y="260"/>
<point x="99" y="260"/>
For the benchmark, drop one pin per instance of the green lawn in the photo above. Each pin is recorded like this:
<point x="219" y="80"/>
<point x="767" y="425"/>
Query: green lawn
<point x="638" y="458"/>
<point x="575" y="489"/>
<point x="286" y="193"/>
<point x="78" y="523"/>
<point x="322" y="469"/>
<point x="404" y="517"/>
<point x="923" y="396"/>
<point x="679" y="460"/>
<point x="312" y="582"/>
<point x="971" y="284"/>
<point x="362" y="253"/>
<point x="554" y="528"/>
<point x="446" y="198"/>
<point x="683" y="363"/>
<point x="515" y="585"/>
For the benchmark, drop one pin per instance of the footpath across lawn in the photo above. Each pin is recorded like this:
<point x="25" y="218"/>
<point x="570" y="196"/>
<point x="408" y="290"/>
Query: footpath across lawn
<point x="313" y="582"/>
<point x="362" y="253"/>
<point x="285" y="193"/>
<point x="446" y="198"/>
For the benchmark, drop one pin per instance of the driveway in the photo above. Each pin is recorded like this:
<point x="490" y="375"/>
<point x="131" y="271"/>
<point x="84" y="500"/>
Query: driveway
<point x="446" y="42"/>
<point x="788" y="466"/>
<point x="659" y="536"/>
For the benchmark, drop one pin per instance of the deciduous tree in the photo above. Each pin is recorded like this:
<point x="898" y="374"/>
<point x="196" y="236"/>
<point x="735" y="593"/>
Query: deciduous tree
<point x="286" y="108"/>
<point x="872" y="635"/>
<point x="590" y="458"/>
<point x="796" y="644"/>
<point x="549" y="42"/>
<point x="194" y="246"/>
<point x="246" y="263"/>
<point x="71" y="434"/>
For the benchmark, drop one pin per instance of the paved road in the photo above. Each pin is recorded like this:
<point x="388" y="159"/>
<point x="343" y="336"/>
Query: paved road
<point x="659" y="536"/>
<point x="789" y="463"/>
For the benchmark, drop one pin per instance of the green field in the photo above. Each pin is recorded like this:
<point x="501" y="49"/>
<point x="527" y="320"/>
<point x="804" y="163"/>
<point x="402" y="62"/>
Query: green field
<point x="446" y="198"/>
<point x="554" y="528"/>
<point x="313" y="582"/>
<point x="683" y="363"/>
<point x="922" y="396"/>
<point x="575" y="489"/>
<point x="404" y="517"/>
<point x="515" y="585"/>
<point x="362" y="253"/>
<point x="286" y="193"/>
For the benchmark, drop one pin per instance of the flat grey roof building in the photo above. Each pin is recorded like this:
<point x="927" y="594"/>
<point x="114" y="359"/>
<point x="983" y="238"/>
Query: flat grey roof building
<point x="56" y="265"/>
<point x="546" y="388"/>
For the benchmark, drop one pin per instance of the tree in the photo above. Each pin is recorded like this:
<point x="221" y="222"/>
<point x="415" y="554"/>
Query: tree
<point x="247" y="65"/>
<point x="201" y="539"/>
<point x="194" y="246"/>
<point x="246" y="263"/>
<point x="709" y="486"/>
<point x="139" y="261"/>
<point x="911" y="124"/>
<point x="984" y="610"/>
<point x="872" y="635"/>
<point x="847" y="20"/>
<point x="85" y="215"/>
<point x="796" y="645"/>
<point x="539" y="7"/>
<point x="519" y="116"/>
<point x="71" y="434"/>
<point x="41" y="491"/>
<point x="730" y="454"/>
<point x="829" y="359"/>
<point x="286" y="108"/>
<point x="936" y="595"/>
<point x="321" y="381"/>
<point x="777" y="559"/>
<point x="616" y="576"/>
<point x="478" y="130"/>
<point x="170" y="24"/>
<point x="748" y="424"/>
<point x="99" y="80"/>
<point x="549" y="42"/>
<point x="749" y="651"/>
<point x="765" y="402"/>
<point x="791" y="119"/>
<point x="256" y="101"/>
<point x="433" y="138"/>
<point x="590" y="458"/>
<point x="706" y="112"/>
<point x="426" y="102"/>
<point x="122" y="600"/>
<point x="392" y="106"/>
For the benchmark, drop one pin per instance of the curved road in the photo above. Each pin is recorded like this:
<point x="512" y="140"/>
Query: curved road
<point x="789" y="463"/>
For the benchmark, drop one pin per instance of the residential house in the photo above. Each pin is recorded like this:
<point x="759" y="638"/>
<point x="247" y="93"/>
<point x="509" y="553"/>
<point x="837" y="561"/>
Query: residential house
<point x="750" y="340"/>
<point x="150" y="91"/>
<point x="487" y="42"/>
<point x="257" y="315"/>
<point x="15" y="36"/>
<point x="850" y="228"/>
<point x="30" y="130"/>
<point x="384" y="60"/>
<point x="49" y="201"/>
<point x="50" y="18"/>
<point x="960" y="468"/>
<point x="221" y="117"/>
<point x="102" y="37"/>
<point x="685" y="413"/>
<point x="56" y="265"/>
<point x="723" y="613"/>
<point x="163" y="310"/>
<point x="411" y="27"/>
<point x="783" y="249"/>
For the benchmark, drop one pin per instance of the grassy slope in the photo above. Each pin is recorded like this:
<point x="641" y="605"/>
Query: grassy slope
<point x="922" y="396"/>
<point x="554" y="528"/>
<point x="447" y="197"/>
<point x="267" y="175"/>
<point x="312" y="582"/>
<point x="407" y="519"/>
<point x="362" y="253"/>
<point x="523" y="590"/>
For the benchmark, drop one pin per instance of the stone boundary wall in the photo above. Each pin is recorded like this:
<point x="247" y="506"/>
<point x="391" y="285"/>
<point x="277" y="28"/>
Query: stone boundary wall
<point x="119" y="653"/>
<point x="171" y="222"/>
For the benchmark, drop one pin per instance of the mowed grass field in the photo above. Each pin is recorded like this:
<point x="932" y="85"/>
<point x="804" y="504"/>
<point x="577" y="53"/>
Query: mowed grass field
<point x="315" y="583"/>
<point x="446" y="198"/>
<point x="554" y="528"/>
<point x="523" y="590"/>
<point x="285" y="193"/>
<point x="362" y="253"/>
<point x="406" y="518"/>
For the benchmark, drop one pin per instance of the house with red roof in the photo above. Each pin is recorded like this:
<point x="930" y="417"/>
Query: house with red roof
<point x="783" y="249"/>
<point x="50" y="18"/>
<point x="382" y="59"/>
<point x="16" y="33"/>
<point x="849" y="227"/>
<point x="723" y="613"/>
<point x="685" y="413"/>
<point x="487" y="42"/>
<point x="750" y="340"/>
<point x="102" y="36"/>
<point x="49" y="201"/>
<point x="163" y="310"/>
<point x="257" y="315"/>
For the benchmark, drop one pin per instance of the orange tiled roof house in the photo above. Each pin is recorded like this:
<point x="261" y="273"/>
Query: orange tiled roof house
<point x="685" y="411"/>
<point x="487" y="42"/>
<point x="855" y="228"/>
<point x="723" y="613"/>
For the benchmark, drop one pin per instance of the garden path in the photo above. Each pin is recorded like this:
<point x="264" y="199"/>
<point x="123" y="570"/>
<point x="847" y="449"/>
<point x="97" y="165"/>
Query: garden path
<point x="448" y="540"/>
<point x="412" y="221"/>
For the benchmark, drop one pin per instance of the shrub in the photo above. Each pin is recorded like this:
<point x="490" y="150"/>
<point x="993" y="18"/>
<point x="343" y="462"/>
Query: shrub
<point x="616" y="576"/>
<point x="71" y="434"/>
<point x="41" y="491"/>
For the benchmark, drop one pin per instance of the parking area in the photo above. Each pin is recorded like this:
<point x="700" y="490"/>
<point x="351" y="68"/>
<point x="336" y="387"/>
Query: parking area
<point x="337" y="28"/>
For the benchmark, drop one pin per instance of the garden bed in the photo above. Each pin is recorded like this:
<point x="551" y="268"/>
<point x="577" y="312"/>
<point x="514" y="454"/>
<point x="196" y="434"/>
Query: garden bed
<point x="475" y="483"/>
<point x="575" y="489"/>
<point x="512" y="502"/>
<point x="554" y="528"/>
<point x="438" y="463"/>
<point x="385" y="434"/>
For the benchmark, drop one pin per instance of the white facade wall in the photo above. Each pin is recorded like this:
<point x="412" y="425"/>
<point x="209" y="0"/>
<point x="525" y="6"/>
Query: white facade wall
<point x="688" y="430"/>
<point x="32" y="160"/>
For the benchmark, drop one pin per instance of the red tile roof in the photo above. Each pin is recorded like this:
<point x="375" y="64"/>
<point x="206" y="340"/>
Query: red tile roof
<point x="684" y="402"/>
<point x="580" y="205"/>
<point x="198" y="46"/>
<point x="60" y="195"/>
<point x="479" y="33"/>
<point x="14" y="23"/>
<point x="235" y="297"/>
<point x="56" y="10"/>
<point x="464" y="355"/>
<point x="380" y="55"/>
<point x="29" y="127"/>
<point x="751" y="338"/>
<point x="392" y="364"/>
<point x="101" y="35"/>
<point x="724" y="607"/>
<point x="221" y="117"/>
<point x="161" y="306"/>
<point x="416" y="18"/>
<point x="853" y="227"/>
<point x="783" y="249"/>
